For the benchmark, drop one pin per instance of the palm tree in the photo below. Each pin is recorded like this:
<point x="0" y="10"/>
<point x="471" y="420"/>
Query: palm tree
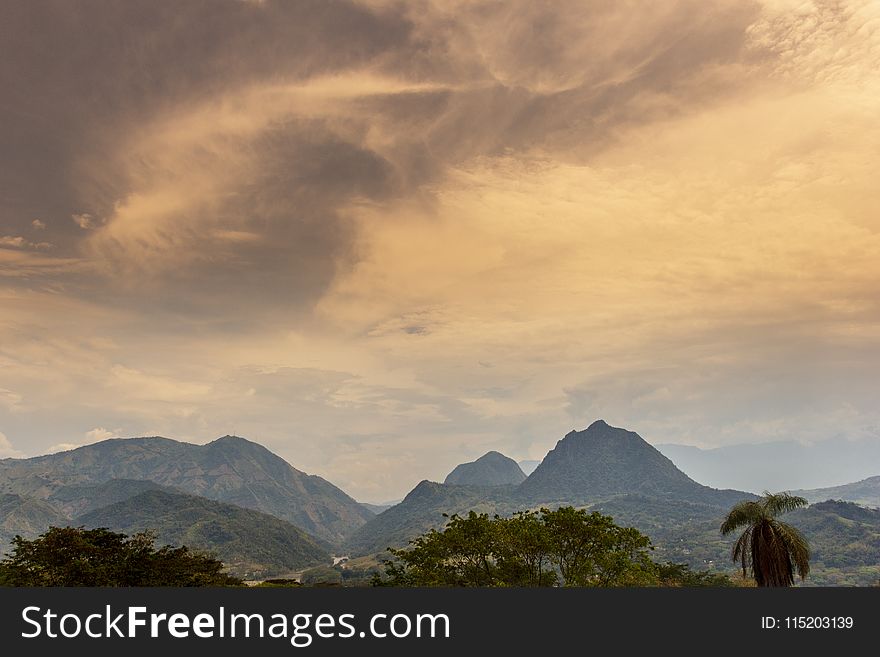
<point x="771" y="548"/>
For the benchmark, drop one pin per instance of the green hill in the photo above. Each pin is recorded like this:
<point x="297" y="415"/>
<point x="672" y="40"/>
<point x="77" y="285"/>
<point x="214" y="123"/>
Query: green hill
<point x="26" y="516"/>
<point x="248" y="542"/>
<point x="491" y="469"/>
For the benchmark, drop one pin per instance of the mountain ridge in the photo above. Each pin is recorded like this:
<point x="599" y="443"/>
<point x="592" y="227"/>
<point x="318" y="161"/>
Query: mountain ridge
<point x="229" y="469"/>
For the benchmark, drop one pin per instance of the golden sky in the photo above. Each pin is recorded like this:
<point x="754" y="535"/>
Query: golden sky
<point x="384" y="237"/>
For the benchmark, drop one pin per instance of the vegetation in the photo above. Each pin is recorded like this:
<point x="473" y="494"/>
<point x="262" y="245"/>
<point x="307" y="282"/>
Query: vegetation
<point x="250" y="543"/>
<point x="771" y="549"/>
<point x="68" y="556"/>
<point x="567" y="546"/>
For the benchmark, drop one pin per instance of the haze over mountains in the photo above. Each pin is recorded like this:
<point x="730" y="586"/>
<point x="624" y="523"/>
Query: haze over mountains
<point x="781" y="465"/>
<point x="865" y="492"/>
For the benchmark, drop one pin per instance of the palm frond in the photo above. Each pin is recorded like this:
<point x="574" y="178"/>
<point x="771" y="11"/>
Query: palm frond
<point x="743" y="513"/>
<point x="779" y="503"/>
<point x="795" y="544"/>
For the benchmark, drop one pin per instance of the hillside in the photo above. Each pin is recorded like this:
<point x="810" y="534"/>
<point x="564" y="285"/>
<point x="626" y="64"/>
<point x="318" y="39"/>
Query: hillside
<point x="865" y="492"/>
<point x="604" y="461"/>
<point x="491" y="469"/>
<point x="78" y="499"/>
<point x="26" y="516"/>
<point x="248" y="542"/>
<point x="845" y="541"/>
<point x="422" y="510"/>
<point x="229" y="469"/>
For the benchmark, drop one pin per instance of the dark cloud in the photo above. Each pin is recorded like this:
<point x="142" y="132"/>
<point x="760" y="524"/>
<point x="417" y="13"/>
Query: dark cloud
<point x="83" y="82"/>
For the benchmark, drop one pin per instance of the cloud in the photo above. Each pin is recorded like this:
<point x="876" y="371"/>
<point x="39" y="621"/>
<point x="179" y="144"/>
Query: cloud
<point x="317" y="229"/>
<point x="13" y="242"/>
<point x="6" y="448"/>
<point x="61" y="447"/>
<point x="19" y="242"/>
<point x="83" y="220"/>
<point x="98" y="434"/>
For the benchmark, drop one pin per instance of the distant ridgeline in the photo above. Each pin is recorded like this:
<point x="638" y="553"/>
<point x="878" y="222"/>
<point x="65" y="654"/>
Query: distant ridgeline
<point x="264" y="518"/>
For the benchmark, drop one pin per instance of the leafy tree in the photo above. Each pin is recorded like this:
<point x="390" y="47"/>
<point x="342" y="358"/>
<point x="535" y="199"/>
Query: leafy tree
<point x="528" y="549"/>
<point x="523" y="550"/>
<point x="590" y="550"/>
<point x="461" y="555"/>
<point x="770" y="548"/>
<point x="70" y="556"/>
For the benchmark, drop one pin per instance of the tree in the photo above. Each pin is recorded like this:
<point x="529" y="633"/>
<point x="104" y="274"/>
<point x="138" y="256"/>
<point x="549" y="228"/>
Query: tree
<point x="71" y="556"/>
<point x="523" y="550"/>
<point x="590" y="550"/>
<point x="771" y="549"/>
<point x="527" y="549"/>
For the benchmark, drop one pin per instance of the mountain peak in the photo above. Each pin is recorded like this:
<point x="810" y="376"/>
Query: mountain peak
<point x="230" y="439"/>
<point x="491" y="469"/>
<point x="604" y="461"/>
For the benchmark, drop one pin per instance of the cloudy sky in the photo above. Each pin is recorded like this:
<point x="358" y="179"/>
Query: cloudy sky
<point x="384" y="237"/>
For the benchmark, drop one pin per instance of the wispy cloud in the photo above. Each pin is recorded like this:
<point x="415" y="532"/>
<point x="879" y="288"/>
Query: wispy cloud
<point x="389" y="235"/>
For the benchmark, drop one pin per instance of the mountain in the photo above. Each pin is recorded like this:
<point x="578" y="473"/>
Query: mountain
<point x="491" y="469"/>
<point x="528" y="467"/>
<point x="779" y="465"/>
<point x="248" y="542"/>
<point x="422" y="510"/>
<point x="600" y="467"/>
<point x="229" y="469"/>
<point x="865" y="492"/>
<point x="26" y="516"/>
<point x="604" y="461"/>
<point x="78" y="499"/>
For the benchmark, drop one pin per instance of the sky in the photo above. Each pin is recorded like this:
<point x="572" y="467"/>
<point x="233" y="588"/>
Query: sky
<point x="384" y="237"/>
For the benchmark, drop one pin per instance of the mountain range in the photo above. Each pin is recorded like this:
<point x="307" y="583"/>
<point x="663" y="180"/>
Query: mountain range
<point x="262" y="516"/>
<point x="588" y="467"/>
<point x="618" y="473"/>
